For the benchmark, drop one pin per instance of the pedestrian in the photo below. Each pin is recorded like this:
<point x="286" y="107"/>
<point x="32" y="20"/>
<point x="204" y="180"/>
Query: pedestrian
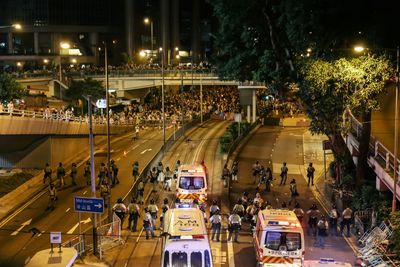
<point x="120" y="210"/>
<point x="310" y="174"/>
<point x="245" y="199"/>
<point x="177" y="165"/>
<point x="284" y="173"/>
<point x="299" y="212"/>
<point x="234" y="226"/>
<point x="167" y="179"/>
<point x="333" y="220"/>
<point x="235" y="171"/>
<point x="322" y="232"/>
<point x="258" y="200"/>
<point x="215" y="221"/>
<point x="134" y="214"/>
<point x="87" y="172"/>
<point x="346" y="221"/>
<point x="268" y="174"/>
<point x="239" y="208"/>
<point x="284" y="205"/>
<point x="74" y="173"/>
<point x="263" y="177"/>
<point x="140" y="192"/>
<point x="104" y="192"/>
<point x="47" y="173"/>
<point x="148" y="223"/>
<point x="214" y="207"/>
<point x="61" y="174"/>
<point x="114" y="169"/>
<point x="164" y="209"/>
<point x="225" y="175"/>
<point x="136" y="135"/>
<point x="160" y="167"/>
<point x="135" y="170"/>
<point x="153" y="209"/>
<point x="293" y="191"/>
<point x="313" y="214"/>
<point x="53" y="196"/>
<point x="153" y="178"/>
<point x="102" y="173"/>
<point x="256" y="170"/>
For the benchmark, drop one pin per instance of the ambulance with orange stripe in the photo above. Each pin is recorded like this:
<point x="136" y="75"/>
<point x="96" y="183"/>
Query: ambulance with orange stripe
<point x="192" y="184"/>
<point x="278" y="239"/>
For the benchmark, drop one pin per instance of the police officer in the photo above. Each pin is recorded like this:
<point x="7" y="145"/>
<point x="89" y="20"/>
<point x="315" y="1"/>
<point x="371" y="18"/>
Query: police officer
<point x="148" y="223"/>
<point x="47" y="173"/>
<point x="135" y="170"/>
<point x="120" y="210"/>
<point x="167" y="179"/>
<point x="74" y="173"/>
<point x="153" y="209"/>
<point x="164" y="209"/>
<point x="177" y="165"/>
<point x="53" y="196"/>
<point x="114" y="169"/>
<point x="87" y="173"/>
<point x="134" y="214"/>
<point x="310" y="174"/>
<point x="215" y="221"/>
<point x="284" y="173"/>
<point x="214" y="207"/>
<point x="61" y="174"/>
<point x="234" y="226"/>
<point x="102" y="173"/>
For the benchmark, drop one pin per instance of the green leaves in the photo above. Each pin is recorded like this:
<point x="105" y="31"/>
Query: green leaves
<point x="10" y="89"/>
<point x="78" y="89"/>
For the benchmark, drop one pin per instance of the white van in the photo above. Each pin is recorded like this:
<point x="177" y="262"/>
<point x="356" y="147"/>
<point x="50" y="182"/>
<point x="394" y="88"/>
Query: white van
<point x="278" y="239"/>
<point x="185" y="241"/>
<point x="191" y="184"/>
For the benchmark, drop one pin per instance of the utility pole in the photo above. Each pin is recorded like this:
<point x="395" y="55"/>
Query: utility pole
<point x="396" y="130"/>
<point x="108" y="135"/>
<point x="92" y="171"/>
<point x="163" y="97"/>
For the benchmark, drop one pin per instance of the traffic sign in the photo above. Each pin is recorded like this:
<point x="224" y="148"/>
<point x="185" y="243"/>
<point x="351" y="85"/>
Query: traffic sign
<point x="55" y="237"/>
<point x="89" y="204"/>
<point x="101" y="103"/>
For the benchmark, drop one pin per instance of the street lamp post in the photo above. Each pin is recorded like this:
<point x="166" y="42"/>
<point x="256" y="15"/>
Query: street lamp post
<point x="396" y="130"/>
<point x="108" y="133"/>
<point x="147" y="21"/>
<point x="162" y="96"/>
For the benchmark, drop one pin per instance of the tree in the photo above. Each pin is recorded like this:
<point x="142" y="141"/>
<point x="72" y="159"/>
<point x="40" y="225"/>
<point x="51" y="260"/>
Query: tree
<point x="88" y="86"/>
<point x="10" y="89"/>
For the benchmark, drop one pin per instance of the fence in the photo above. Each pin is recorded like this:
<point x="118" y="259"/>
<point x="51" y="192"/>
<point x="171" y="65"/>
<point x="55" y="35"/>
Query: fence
<point x="110" y="234"/>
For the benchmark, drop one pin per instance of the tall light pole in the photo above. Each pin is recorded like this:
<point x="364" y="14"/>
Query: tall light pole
<point x="64" y="46"/>
<point x="396" y="130"/>
<point x="147" y="21"/>
<point x="162" y="95"/>
<point x="108" y="134"/>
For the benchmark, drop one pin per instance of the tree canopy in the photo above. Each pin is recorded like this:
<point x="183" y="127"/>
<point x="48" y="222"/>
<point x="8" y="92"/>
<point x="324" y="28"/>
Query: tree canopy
<point x="10" y="89"/>
<point x="88" y="86"/>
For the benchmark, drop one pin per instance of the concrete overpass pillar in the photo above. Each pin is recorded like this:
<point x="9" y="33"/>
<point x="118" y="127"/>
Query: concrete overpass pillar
<point x="254" y="104"/>
<point x="36" y="43"/>
<point x="10" y="44"/>
<point x="248" y="113"/>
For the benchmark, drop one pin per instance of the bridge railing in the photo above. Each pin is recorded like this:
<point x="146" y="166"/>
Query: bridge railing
<point x="381" y="154"/>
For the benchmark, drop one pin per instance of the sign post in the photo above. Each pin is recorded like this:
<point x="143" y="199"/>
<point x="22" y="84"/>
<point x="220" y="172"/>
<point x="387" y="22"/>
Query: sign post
<point x="55" y="238"/>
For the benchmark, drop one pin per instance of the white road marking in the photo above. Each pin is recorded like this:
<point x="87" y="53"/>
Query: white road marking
<point x="71" y="231"/>
<point x="118" y="159"/>
<point x="134" y="147"/>
<point x="231" y="255"/>
<point x="84" y="192"/>
<point x="144" y="141"/>
<point x="144" y="151"/>
<point x="67" y="209"/>
<point x="28" y="222"/>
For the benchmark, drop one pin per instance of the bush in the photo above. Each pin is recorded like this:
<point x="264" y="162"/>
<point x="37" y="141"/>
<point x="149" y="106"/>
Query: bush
<point x="395" y="240"/>
<point x="230" y="135"/>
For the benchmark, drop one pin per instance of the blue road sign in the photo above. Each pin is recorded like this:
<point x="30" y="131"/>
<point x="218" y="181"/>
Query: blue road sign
<point x="89" y="204"/>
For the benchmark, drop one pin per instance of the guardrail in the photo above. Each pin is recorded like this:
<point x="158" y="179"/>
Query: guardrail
<point x="381" y="154"/>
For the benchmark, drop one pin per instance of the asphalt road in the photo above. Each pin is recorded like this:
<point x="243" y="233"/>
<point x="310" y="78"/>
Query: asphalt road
<point x="17" y="246"/>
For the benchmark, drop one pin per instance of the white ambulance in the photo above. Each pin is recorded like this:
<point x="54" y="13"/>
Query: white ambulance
<point x="278" y="239"/>
<point x="185" y="241"/>
<point x="192" y="184"/>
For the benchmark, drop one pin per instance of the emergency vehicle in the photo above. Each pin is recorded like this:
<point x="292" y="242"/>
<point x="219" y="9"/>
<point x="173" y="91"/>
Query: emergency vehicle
<point x="192" y="184"/>
<point x="185" y="241"/>
<point x="278" y="239"/>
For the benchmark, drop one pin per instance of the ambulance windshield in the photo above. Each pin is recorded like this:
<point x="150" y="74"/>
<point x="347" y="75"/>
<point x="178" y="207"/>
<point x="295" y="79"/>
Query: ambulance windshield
<point x="283" y="240"/>
<point x="191" y="182"/>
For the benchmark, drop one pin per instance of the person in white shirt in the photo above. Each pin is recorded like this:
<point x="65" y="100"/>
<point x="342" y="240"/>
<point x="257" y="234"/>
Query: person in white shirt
<point x="215" y="221"/>
<point x="234" y="225"/>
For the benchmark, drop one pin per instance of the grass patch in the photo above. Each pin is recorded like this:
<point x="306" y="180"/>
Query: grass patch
<point x="8" y="184"/>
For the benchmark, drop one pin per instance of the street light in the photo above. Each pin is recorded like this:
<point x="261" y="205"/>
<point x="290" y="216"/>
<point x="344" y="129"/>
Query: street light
<point x="16" y="26"/>
<point x="65" y="46"/>
<point x="147" y="21"/>
<point x="396" y="127"/>
<point x="162" y="96"/>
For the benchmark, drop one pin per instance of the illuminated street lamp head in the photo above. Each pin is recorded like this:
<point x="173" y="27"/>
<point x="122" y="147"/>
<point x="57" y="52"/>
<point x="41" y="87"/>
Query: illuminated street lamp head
<point x="176" y="48"/>
<point x="177" y="57"/>
<point x="146" y="20"/>
<point x="309" y="50"/>
<point x="19" y="64"/>
<point x="73" y="60"/>
<point x="160" y="49"/>
<point x="45" y="61"/>
<point x="65" y="45"/>
<point x="17" y="26"/>
<point x="358" y="48"/>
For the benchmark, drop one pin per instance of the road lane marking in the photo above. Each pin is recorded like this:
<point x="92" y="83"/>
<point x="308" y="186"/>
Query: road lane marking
<point x="67" y="209"/>
<point x="28" y="222"/>
<point x="134" y="147"/>
<point x="144" y="151"/>
<point x="84" y="192"/>
<point x="71" y="231"/>
<point x="231" y="255"/>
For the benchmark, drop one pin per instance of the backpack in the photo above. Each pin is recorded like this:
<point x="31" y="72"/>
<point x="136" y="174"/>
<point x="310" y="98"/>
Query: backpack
<point x="165" y="208"/>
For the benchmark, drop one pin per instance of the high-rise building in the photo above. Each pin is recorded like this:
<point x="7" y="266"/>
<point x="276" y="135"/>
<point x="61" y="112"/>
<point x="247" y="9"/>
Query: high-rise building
<point x="180" y="27"/>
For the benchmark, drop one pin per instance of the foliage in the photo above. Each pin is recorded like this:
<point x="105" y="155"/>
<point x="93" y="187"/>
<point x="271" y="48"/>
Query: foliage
<point x="88" y="86"/>
<point x="10" y="89"/>
<point x="347" y="182"/>
<point x="230" y="135"/>
<point x="395" y="240"/>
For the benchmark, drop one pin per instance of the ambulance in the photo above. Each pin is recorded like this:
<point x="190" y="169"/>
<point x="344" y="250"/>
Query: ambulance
<point x="185" y="241"/>
<point x="191" y="184"/>
<point x="278" y="239"/>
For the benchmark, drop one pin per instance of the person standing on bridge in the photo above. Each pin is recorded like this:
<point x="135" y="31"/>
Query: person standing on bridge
<point x="310" y="174"/>
<point x="61" y="174"/>
<point x="284" y="173"/>
<point x="87" y="173"/>
<point x="47" y="173"/>
<point x="74" y="173"/>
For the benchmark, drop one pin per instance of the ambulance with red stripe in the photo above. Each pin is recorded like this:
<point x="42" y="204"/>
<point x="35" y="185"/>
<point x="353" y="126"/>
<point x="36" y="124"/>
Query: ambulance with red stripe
<point x="192" y="184"/>
<point x="278" y="239"/>
<point x="185" y="241"/>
